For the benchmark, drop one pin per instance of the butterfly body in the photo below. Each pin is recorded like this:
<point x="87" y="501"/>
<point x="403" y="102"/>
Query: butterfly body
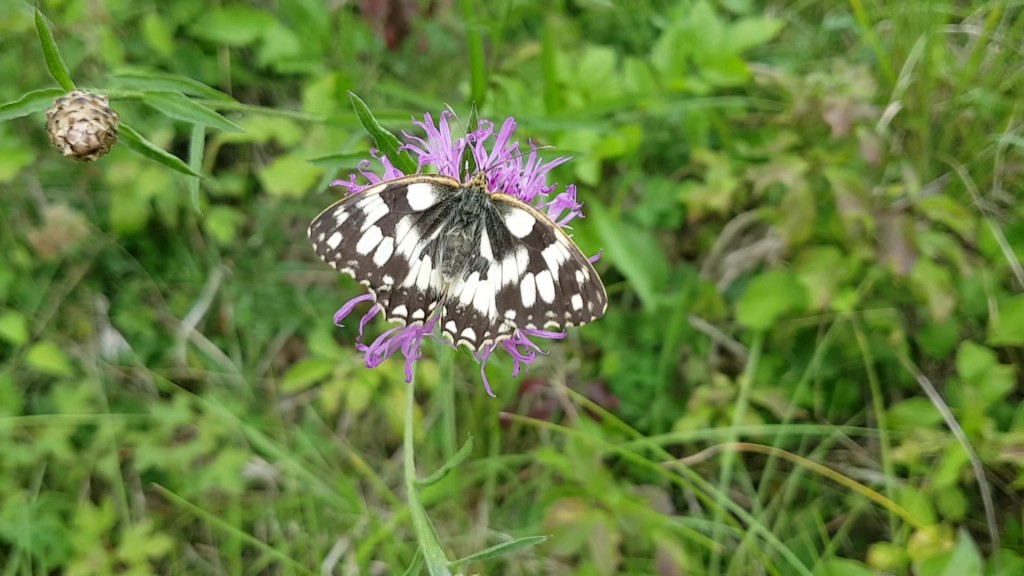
<point x="487" y="263"/>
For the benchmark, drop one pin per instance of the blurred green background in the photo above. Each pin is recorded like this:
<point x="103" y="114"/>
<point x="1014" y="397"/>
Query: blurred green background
<point x="812" y="235"/>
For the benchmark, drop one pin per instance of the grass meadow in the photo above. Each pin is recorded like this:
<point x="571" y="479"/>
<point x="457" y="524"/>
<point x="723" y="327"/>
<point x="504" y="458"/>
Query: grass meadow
<point x="810" y="231"/>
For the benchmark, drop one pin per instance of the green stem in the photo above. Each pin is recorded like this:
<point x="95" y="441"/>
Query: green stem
<point x="475" y="46"/>
<point x="447" y="394"/>
<point x="437" y="562"/>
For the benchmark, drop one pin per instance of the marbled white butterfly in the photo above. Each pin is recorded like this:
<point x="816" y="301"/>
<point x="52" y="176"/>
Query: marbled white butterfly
<point x="489" y="263"/>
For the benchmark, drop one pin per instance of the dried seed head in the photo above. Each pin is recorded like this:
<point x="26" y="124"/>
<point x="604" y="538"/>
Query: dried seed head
<point x="82" y="125"/>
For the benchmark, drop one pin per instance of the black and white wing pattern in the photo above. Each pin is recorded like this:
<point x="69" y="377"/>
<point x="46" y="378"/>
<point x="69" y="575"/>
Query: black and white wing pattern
<point x="488" y="264"/>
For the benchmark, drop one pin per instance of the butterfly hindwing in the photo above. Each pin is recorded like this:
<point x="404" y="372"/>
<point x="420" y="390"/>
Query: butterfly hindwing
<point x="537" y="278"/>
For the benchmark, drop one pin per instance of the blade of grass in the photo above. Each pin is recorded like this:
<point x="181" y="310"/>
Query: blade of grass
<point x="813" y="466"/>
<point x="881" y="417"/>
<point x="728" y="457"/>
<point x="872" y="39"/>
<point x="684" y="478"/>
<point x="976" y="466"/>
<point x="456" y="459"/>
<point x="220" y="524"/>
<point x="502" y="549"/>
<point x="197" y="146"/>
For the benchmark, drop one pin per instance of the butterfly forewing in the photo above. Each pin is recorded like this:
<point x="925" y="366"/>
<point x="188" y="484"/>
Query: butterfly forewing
<point x="492" y="263"/>
<point x="375" y="237"/>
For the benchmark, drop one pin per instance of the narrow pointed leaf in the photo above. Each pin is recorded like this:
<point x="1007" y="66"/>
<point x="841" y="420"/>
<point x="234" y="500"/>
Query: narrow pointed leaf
<point x="501" y="549"/>
<point x="416" y="565"/>
<point x="36" y="101"/>
<point x="138" y="143"/>
<point x="348" y="160"/>
<point x="54" y="61"/>
<point x="180" y="107"/>
<point x="385" y="141"/>
<point x="163" y="82"/>
<point x="468" y="161"/>
<point x="195" y="161"/>
<point x="457" y="459"/>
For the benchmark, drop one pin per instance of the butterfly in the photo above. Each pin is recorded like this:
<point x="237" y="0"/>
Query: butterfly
<point x="488" y="263"/>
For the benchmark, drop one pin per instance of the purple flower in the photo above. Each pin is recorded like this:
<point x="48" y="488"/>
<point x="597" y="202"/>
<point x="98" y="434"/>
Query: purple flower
<point x="509" y="171"/>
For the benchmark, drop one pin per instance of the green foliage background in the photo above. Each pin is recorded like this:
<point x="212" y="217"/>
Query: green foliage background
<point x="812" y="232"/>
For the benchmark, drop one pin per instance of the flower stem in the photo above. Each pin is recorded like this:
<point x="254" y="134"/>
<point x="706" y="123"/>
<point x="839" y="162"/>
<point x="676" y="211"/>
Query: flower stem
<point x="437" y="562"/>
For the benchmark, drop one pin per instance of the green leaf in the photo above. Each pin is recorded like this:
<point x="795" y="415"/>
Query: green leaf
<point x="306" y="373"/>
<point x="14" y="328"/>
<point x="845" y="567"/>
<point x="467" y="155"/>
<point x="231" y="26"/>
<point x="974" y="360"/>
<point x="770" y="296"/>
<point x="196" y="148"/>
<point x="416" y="566"/>
<point x="48" y="358"/>
<point x="943" y="209"/>
<point x="263" y="129"/>
<point x="934" y="284"/>
<point x="963" y="560"/>
<point x="939" y="339"/>
<point x="501" y="550"/>
<point x="36" y="101"/>
<point x="1006" y="562"/>
<point x="947" y="474"/>
<point x="342" y="161"/>
<point x="158" y="33"/>
<point x="280" y="47"/>
<point x="751" y="32"/>
<point x="634" y="251"/>
<point x="289" y="176"/>
<point x="981" y="373"/>
<point x="139" y="144"/>
<point x="129" y="211"/>
<point x="139" y="543"/>
<point x="1006" y="328"/>
<point x="54" y="61"/>
<point x="13" y="158"/>
<point x="180" y="107"/>
<point x="451" y="464"/>
<point x="223" y="223"/>
<point x="384" y="140"/>
<point x="913" y="414"/>
<point x="147" y="81"/>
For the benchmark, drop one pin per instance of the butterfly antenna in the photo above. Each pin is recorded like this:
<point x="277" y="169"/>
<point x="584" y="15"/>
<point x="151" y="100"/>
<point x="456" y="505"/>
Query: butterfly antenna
<point x="519" y="154"/>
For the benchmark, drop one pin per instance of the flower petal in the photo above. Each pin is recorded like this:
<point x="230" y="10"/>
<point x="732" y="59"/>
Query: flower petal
<point x="347" y="308"/>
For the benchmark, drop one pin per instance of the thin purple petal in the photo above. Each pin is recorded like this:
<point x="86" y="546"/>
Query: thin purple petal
<point x="483" y="356"/>
<point x="374" y="310"/>
<point x="347" y="308"/>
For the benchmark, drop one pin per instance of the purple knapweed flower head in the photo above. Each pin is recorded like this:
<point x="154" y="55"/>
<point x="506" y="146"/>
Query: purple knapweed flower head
<point x="509" y="170"/>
